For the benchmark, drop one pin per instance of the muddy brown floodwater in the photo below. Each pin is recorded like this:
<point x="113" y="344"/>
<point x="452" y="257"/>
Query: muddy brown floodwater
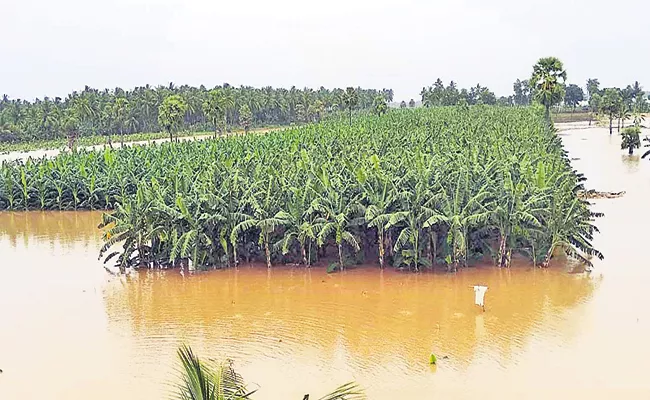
<point x="67" y="331"/>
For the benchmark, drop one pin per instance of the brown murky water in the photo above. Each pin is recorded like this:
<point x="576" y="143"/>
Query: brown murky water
<point x="69" y="332"/>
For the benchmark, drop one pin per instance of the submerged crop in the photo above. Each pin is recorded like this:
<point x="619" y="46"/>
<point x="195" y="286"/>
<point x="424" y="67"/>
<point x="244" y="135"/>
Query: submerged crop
<point x="413" y="188"/>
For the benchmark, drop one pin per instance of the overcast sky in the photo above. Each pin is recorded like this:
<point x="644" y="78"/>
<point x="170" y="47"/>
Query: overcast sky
<point x="51" y="47"/>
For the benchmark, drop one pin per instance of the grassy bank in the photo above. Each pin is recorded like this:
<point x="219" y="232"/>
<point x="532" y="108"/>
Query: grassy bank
<point x="572" y="117"/>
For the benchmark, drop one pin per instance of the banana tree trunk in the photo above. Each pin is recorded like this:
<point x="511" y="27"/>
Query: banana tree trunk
<point x="381" y="249"/>
<point x="234" y="254"/>
<point x="340" y="246"/>
<point x="504" y="259"/>
<point x="304" y="255"/>
<point x="268" y="253"/>
<point x="547" y="258"/>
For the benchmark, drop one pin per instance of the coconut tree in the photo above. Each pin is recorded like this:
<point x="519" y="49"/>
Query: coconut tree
<point x="350" y="99"/>
<point x="547" y="83"/>
<point x="209" y="381"/>
<point x="201" y="381"/>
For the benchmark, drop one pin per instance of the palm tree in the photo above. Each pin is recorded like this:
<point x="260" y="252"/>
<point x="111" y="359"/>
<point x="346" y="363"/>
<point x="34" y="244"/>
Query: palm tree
<point x="350" y="99"/>
<point x="202" y="381"/>
<point x="547" y="82"/>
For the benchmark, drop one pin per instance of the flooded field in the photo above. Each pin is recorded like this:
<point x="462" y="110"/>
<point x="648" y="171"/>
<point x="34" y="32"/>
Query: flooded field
<point x="68" y="331"/>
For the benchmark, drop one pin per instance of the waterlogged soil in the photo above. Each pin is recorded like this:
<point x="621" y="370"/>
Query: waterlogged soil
<point x="70" y="331"/>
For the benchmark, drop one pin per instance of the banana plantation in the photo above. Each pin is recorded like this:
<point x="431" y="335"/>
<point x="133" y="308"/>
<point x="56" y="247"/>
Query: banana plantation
<point x="412" y="189"/>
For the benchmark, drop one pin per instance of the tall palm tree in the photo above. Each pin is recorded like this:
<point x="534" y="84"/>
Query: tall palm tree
<point x="547" y="82"/>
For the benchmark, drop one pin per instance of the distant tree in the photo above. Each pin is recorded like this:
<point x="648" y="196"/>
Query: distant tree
<point x="522" y="93"/>
<point x="636" y="89"/>
<point x="631" y="139"/>
<point x="609" y="104"/>
<point x="411" y="103"/>
<point x="388" y="94"/>
<point x="594" y="105"/>
<point x="171" y="114"/>
<point x="573" y="96"/>
<point x="214" y="108"/>
<point x="547" y="82"/>
<point x="350" y="100"/>
<point x="71" y="125"/>
<point x="485" y="96"/>
<point x="119" y="111"/>
<point x="450" y="95"/>
<point x="505" y="101"/>
<point x="245" y="117"/>
<point x="380" y="106"/>
<point x="593" y="87"/>
<point x="623" y="114"/>
<point x="316" y="110"/>
<point x="402" y="104"/>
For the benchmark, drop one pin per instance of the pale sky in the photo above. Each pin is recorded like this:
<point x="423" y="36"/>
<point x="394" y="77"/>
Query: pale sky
<point x="51" y="47"/>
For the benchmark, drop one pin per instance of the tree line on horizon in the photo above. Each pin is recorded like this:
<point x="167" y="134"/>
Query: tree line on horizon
<point x="185" y="108"/>
<point x="153" y="109"/>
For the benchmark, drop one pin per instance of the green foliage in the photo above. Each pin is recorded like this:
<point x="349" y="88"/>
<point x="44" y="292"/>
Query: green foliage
<point x="631" y="139"/>
<point x="433" y="360"/>
<point x="438" y="95"/>
<point x="573" y="95"/>
<point x="522" y="91"/>
<point x="350" y="99"/>
<point x="610" y="104"/>
<point x="245" y="117"/>
<point x="547" y="82"/>
<point x="380" y="106"/>
<point x="118" y="111"/>
<point x="203" y="381"/>
<point x="171" y="113"/>
<point x="420" y="185"/>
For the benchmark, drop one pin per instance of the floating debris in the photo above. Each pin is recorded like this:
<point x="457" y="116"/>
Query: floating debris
<point x="592" y="194"/>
